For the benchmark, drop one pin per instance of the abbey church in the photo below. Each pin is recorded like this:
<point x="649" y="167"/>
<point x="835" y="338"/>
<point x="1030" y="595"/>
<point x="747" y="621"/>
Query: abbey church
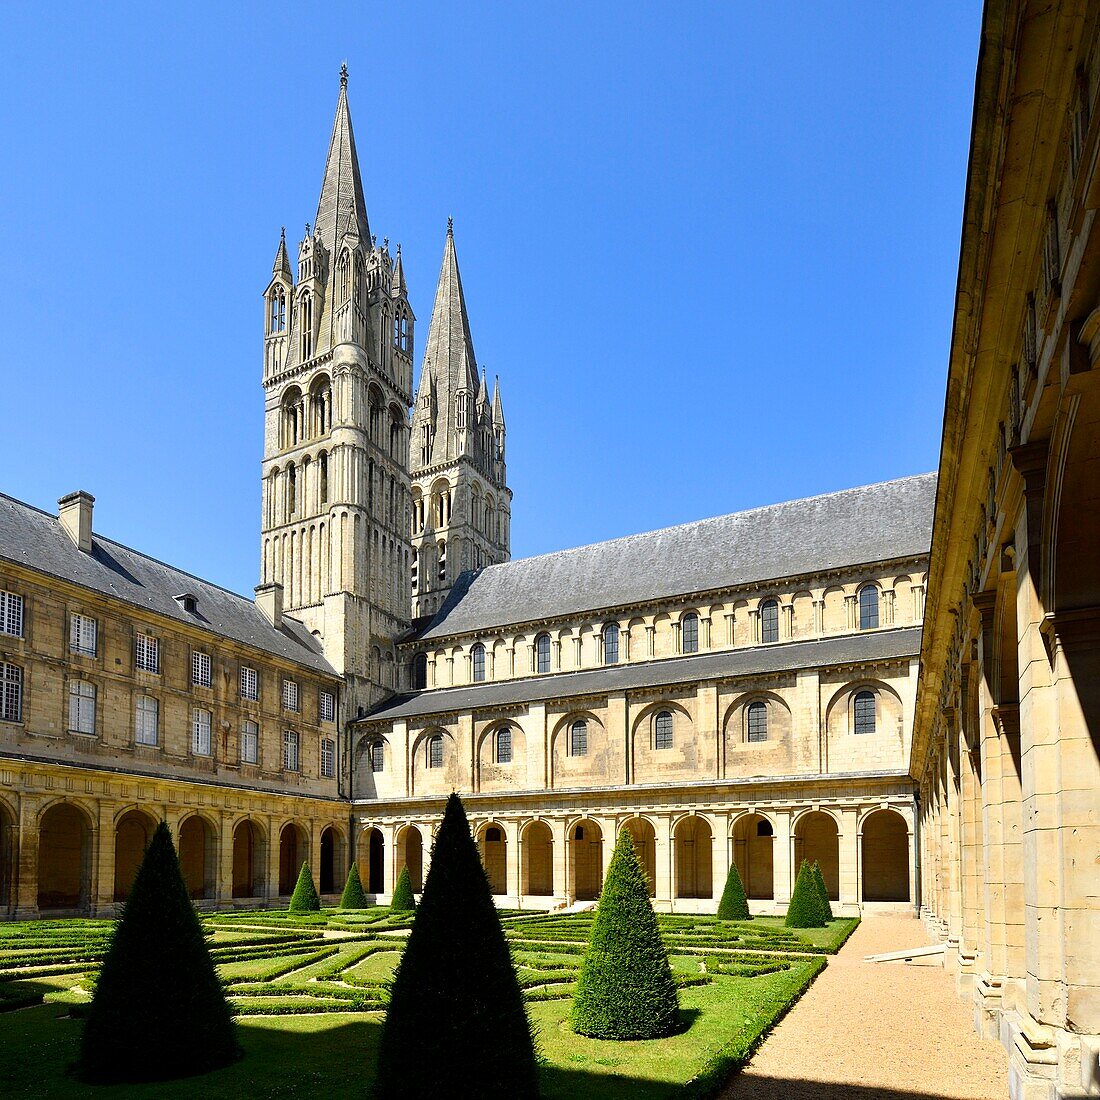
<point x="896" y="680"/>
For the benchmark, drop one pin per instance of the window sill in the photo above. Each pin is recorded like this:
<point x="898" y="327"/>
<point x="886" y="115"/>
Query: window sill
<point x="81" y="733"/>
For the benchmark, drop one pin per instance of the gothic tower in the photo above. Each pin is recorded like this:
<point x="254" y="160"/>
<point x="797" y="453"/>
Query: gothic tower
<point x="338" y="384"/>
<point x="461" y="503"/>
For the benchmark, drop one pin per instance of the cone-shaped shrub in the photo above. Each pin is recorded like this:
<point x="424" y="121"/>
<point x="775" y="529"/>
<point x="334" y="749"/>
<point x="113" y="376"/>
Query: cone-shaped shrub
<point x="733" y="905"/>
<point x="305" y="898"/>
<point x="403" y="900"/>
<point x="805" y="909"/>
<point x="353" y="896"/>
<point x="625" y="989"/>
<point x="159" y="1009"/>
<point x="823" y="890"/>
<point x="456" y="1024"/>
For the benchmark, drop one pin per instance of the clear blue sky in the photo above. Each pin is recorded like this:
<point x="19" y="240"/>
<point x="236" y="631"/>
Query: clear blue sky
<point x="710" y="248"/>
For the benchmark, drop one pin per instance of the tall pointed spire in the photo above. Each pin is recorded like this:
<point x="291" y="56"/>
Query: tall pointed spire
<point x="341" y="208"/>
<point x="398" y="286"/>
<point x="282" y="259"/>
<point x="498" y="408"/>
<point x="450" y="348"/>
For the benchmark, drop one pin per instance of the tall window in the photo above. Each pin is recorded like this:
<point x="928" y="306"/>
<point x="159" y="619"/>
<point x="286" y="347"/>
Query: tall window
<point x="864" y="712"/>
<point x="250" y="684"/>
<point x="769" y="621"/>
<point x="542" y="653"/>
<point x="415" y="570"/>
<point x="81" y="707"/>
<point x="504" y="745"/>
<point x="435" y="751"/>
<point x="290" y="696"/>
<point x="250" y="743"/>
<point x="328" y="707"/>
<point x="11" y="614"/>
<point x="756" y="728"/>
<point x="478" y="655"/>
<point x="200" y="669"/>
<point x="146" y="714"/>
<point x="578" y="738"/>
<point x="291" y="490"/>
<point x="328" y="758"/>
<point x="377" y="756"/>
<point x="689" y="633"/>
<point x="611" y="644"/>
<point x="322" y="462"/>
<point x="277" y="320"/>
<point x="420" y="672"/>
<point x="290" y="751"/>
<point x="147" y="653"/>
<point x="11" y="693"/>
<point x="868" y="607"/>
<point x="442" y="561"/>
<point x="200" y="732"/>
<point x="662" y="730"/>
<point x="305" y="319"/>
<point x="82" y="635"/>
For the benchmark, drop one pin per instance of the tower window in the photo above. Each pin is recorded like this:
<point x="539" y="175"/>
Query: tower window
<point x="863" y="708"/>
<point x="662" y="730"/>
<point x="322" y="463"/>
<point x="756" y="728"/>
<point x="689" y="633"/>
<point x="291" y="490"/>
<point x="611" y="644"/>
<point x="442" y="561"/>
<point x="769" y="621"/>
<point x="868" y="607"/>
<point x="542" y="653"/>
<point x="415" y="571"/>
<point x="305" y="319"/>
<point x="478" y="657"/>
<point x="504" y="745"/>
<point x="343" y="276"/>
<point x="420" y="672"/>
<point x="578" y="738"/>
<point x="276" y="321"/>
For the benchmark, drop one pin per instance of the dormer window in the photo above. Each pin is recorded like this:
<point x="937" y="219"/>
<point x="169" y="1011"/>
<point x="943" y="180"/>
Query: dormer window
<point x="187" y="602"/>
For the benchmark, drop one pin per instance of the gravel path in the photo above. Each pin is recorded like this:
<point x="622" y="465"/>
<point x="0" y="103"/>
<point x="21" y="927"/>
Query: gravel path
<point x="876" y="1031"/>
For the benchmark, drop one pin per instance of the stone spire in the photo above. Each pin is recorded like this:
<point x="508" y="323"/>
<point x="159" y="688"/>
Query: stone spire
<point x="341" y="208"/>
<point x="398" y="287"/>
<point x="282" y="259"/>
<point x="498" y="408"/>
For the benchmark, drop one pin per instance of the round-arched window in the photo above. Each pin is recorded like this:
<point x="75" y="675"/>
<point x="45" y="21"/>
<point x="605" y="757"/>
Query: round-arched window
<point x="863" y="712"/>
<point x="756" y="722"/>
<point x="662" y="730"/>
<point x="868" y="607"/>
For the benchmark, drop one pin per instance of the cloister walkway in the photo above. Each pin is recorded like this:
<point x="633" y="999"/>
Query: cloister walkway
<point x="876" y="1031"/>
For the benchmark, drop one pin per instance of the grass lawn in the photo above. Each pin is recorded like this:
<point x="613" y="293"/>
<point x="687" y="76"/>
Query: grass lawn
<point x="300" y="986"/>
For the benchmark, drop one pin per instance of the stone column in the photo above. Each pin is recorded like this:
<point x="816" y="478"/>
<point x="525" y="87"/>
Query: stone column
<point x="754" y="626"/>
<point x="819" y="617"/>
<point x="270" y="889"/>
<point x="650" y="631"/>
<point x="788" y="620"/>
<point x="730" y="628"/>
<point x="512" y="866"/>
<point x="223" y="885"/>
<point x="25" y="886"/>
<point x="704" y="629"/>
<point x="848" y="842"/>
<point x="560" y="831"/>
<point x="782" y="858"/>
<point x="720" y="855"/>
<point x="663" y="860"/>
<point x="102" y="885"/>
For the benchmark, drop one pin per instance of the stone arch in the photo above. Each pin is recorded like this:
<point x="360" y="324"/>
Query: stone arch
<point x="492" y="843"/>
<point x="567" y="769"/>
<point x="133" y="831"/>
<point x="198" y="851"/>
<point x="754" y="855"/>
<point x="434" y="780"/>
<point x="65" y="832"/>
<point x="536" y="845"/>
<point x="372" y="860"/>
<point x="889" y="709"/>
<point x="779" y="720"/>
<point x="409" y="850"/>
<point x="884" y="859"/>
<point x="586" y="859"/>
<point x="332" y="853"/>
<point x="817" y="837"/>
<point x="495" y="774"/>
<point x="293" y="852"/>
<point x="644" y="836"/>
<point x="9" y="839"/>
<point x="693" y="842"/>
<point x="249" y="859"/>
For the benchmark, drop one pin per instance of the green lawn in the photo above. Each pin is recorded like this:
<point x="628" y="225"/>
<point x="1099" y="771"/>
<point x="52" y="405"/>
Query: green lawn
<point x="301" y="985"/>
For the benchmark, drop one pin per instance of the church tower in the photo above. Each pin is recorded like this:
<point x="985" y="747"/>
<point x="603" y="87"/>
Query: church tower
<point x="461" y="503"/>
<point x="338" y="338"/>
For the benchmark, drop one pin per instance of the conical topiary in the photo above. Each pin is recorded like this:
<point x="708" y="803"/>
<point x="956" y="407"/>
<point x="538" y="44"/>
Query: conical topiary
<point x="353" y="896"/>
<point x="305" y="898"/>
<point x="456" y="1024"/>
<point x="403" y="900"/>
<point x="734" y="905"/>
<point x="805" y="909"/>
<point x="159" y="1010"/>
<point x="823" y="891"/>
<point x="625" y="989"/>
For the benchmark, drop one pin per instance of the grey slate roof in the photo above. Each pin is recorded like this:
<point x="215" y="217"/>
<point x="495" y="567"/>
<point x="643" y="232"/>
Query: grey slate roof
<point x="842" y="650"/>
<point x="35" y="539"/>
<point x="892" y="519"/>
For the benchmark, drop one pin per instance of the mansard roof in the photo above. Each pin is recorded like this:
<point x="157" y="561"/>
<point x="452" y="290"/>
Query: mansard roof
<point x="848" y="649"/>
<point x="35" y="539"/>
<point x="882" y="522"/>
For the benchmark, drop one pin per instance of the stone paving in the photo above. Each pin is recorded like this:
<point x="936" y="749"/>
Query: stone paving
<point x="876" y="1031"/>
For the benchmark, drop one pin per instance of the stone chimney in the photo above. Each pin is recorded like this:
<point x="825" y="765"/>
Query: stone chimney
<point x="269" y="599"/>
<point x="75" y="514"/>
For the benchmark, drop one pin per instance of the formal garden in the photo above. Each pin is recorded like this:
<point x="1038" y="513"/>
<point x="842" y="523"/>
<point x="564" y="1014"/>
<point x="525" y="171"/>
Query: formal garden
<point x="620" y="1002"/>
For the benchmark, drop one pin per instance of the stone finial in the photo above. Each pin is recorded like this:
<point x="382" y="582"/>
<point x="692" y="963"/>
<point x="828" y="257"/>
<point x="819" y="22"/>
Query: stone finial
<point x="344" y="75"/>
<point x="450" y="227"/>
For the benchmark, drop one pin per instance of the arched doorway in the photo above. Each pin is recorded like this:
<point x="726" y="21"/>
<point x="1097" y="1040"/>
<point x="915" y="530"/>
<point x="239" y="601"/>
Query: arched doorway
<point x="586" y="844"/>
<point x="293" y="852"/>
<point x="494" y="858"/>
<point x="645" y="844"/>
<point x="753" y="837"/>
<point x="372" y="861"/>
<point x="7" y="854"/>
<point x="64" y="858"/>
<point x="693" y="842"/>
<point x="332" y="859"/>
<point x="885" y="862"/>
<point x="198" y="857"/>
<point x="248" y="860"/>
<point x="133" y="832"/>
<point x="410" y="853"/>
<point x="537" y="857"/>
<point x="816" y="839"/>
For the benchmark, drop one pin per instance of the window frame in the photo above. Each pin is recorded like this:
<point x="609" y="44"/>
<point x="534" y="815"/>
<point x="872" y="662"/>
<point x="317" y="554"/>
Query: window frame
<point x="13" y="614"/>
<point x="249" y="695"/>
<point x="328" y="758"/>
<point x="756" y="722"/>
<point x="250" y="734"/>
<point x="199" y="729"/>
<point x="578" y="735"/>
<point x="769" y="621"/>
<point x="326" y="705"/>
<point x="861" y="719"/>
<point x="610" y="632"/>
<point x="78" y="625"/>
<point x="477" y="663"/>
<point x="292" y="751"/>
<point x="377" y="756"/>
<point x="291" y="698"/>
<point x="540" y="653"/>
<point x="11" y="692"/>
<point x="202" y="669"/>
<point x="870" y="611"/>
<point x="503" y="747"/>
<point x="689" y="641"/>
<point x="147" y="653"/>
<point x="663" y="731"/>
<point x="141" y="721"/>
<point x="82" y="707"/>
<point x="434" y="757"/>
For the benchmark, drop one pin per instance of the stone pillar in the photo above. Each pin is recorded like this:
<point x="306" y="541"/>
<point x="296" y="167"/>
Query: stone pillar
<point x="782" y="858"/>
<point x="730" y="628"/>
<point x="560" y="831"/>
<point x="754" y="626"/>
<point x="512" y="867"/>
<point x="389" y="858"/>
<point x="223" y="883"/>
<point x="788" y="620"/>
<point x="650" y="631"/>
<point x="720" y="855"/>
<point x="25" y="886"/>
<point x="848" y="842"/>
<point x="102" y="885"/>
<point x="270" y="889"/>
<point x="663" y="859"/>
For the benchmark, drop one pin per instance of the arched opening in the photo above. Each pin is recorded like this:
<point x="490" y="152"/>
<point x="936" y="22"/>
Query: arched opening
<point x="537" y="858"/>
<point x="373" y="873"/>
<point x="248" y="860"/>
<point x="494" y="858"/>
<point x="132" y="835"/>
<point x="7" y="855"/>
<point x="293" y="852"/>
<point x="645" y="844"/>
<point x="331" y="860"/>
<point x="694" y="861"/>
<point x="885" y="857"/>
<point x="198" y="857"/>
<point x="586" y="842"/>
<point x="753" y="838"/>
<point x="64" y="858"/>
<point x="410" y="853"/>
<point x="816" y="839"/>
